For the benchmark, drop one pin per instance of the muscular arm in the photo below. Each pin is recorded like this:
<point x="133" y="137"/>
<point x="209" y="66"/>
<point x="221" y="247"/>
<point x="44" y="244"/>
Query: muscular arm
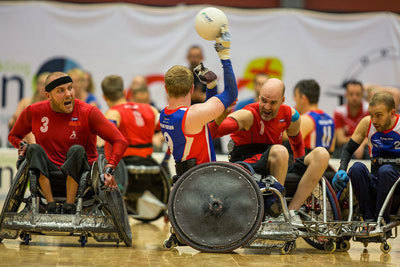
<point x="109" y="132"/>
<point x="244" y="118"/>
<point x="306" y="125"/>
<point x="21" y="128"/>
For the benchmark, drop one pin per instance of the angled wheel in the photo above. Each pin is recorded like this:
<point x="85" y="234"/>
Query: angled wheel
<point x="115" y="207"/>
<point x="314" y="207"/>
<point x="215" y="207"/>
<point x="17" y="190"/>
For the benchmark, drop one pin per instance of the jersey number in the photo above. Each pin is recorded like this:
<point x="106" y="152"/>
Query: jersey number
<point x="44" y="126"/>
<point x="397" y="145"/>
<point x="326" y="136"/>
<point x="168" y="139"/>
<point x="138" y="118"/>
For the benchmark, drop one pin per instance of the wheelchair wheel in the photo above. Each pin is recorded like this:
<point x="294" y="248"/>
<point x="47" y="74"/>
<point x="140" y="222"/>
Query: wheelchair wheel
<point x="156" y="186"/>
<point x="16" y="193"/>
<point x="314" y="207"/>
<point x="215" y="207"/>
<point x="115" y="207"/>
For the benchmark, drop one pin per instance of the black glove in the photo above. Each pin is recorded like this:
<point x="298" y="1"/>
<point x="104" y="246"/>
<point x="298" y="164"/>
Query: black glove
<point x="205" y="75"/>
<point x="23" y="146"/>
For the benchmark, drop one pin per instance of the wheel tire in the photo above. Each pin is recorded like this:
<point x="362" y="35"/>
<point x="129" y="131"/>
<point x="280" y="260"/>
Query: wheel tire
<point x="83" y="240"/>
<point x="332" y="205"/>
<point x="16" y="193"/>
<point x="386" y="247"/>
<point x="343" y="246"/>
<point x="330" y="246"/>
<point x="27" y="238"/>
<point x="113" y="199"/>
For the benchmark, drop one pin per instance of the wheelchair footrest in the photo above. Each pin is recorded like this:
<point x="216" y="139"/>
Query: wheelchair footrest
<point x="57" y="223"/>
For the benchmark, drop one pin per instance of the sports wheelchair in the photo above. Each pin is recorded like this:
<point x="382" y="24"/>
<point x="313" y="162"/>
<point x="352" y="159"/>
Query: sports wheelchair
<point x="100" y="212"/>
<point x="218" y="207"/>
<point x="360" y="231"/>
<point x="148" y="188"/>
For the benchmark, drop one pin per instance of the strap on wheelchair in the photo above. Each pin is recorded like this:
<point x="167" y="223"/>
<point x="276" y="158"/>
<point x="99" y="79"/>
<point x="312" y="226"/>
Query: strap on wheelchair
<point x="182" y="166"/>
<point x="243" y="152"/>
<point x="381" y="161"/>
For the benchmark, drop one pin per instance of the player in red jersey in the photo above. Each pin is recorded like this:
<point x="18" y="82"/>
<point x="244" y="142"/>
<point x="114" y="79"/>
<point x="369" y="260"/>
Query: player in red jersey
<point x="65" y="130"/>
<point x="136" y="121"/>
<point x="348" y="116"/>
<point x="257" y="132"/>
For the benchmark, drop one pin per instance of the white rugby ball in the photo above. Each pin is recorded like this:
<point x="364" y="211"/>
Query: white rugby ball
<point x="209" y="21"/>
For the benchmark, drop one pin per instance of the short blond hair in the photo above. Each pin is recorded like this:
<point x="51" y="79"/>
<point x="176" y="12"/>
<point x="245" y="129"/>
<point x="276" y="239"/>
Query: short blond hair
<point x="178" y="81"/>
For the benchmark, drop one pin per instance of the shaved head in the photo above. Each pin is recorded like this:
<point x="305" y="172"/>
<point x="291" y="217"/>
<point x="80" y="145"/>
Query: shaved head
<point x="54" y="75"/>
<point x="274" y="88"/>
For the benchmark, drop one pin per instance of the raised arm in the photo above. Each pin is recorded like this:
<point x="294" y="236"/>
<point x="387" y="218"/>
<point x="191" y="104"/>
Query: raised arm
<point x="200" y="114"/>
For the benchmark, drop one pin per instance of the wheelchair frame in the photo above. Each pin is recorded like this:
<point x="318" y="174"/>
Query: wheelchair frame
<point x="103" y="216"/>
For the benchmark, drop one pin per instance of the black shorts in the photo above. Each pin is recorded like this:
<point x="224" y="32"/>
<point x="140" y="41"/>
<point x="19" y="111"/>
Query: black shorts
<point x="75" y="163"/>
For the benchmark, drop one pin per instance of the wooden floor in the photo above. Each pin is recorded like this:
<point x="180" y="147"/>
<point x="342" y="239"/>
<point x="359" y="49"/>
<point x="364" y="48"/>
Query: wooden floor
<point x="147" y="251"/>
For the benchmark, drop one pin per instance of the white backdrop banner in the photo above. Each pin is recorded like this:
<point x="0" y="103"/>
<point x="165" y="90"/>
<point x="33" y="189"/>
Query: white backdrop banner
<point x="134" y="40"/>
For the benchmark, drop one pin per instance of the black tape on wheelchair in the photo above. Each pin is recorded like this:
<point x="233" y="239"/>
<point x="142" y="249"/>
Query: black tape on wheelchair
<point x="215" y="207"/>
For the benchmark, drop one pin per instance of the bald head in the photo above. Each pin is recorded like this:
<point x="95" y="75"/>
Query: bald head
<point x="273" y="88"/>
<point x="271" y="98"/>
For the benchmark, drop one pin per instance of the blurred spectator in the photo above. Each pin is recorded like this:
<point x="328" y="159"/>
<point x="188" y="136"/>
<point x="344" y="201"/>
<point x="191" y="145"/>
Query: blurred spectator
<point x="258" y="81"/>
<point x="194" y="58"/>
<point x="348" y="116"/>
<point x="82" y="85"/>
<point x="38" y="95"/>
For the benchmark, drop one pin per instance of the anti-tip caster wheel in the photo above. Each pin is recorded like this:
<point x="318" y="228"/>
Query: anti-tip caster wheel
<point x="386" y="247"/>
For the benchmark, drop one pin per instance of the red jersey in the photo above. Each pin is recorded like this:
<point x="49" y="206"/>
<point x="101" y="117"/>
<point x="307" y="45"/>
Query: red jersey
<point x="56" y="132"/>
<point x="261" y="131"/>
<point x="137" y="125"/>
<point x="343" y="119"/>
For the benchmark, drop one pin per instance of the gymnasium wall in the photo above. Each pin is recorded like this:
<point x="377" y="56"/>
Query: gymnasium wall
<point x="131" y="40"/>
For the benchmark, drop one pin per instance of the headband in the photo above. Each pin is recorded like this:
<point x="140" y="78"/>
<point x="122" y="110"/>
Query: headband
<point x="58" y="82"/>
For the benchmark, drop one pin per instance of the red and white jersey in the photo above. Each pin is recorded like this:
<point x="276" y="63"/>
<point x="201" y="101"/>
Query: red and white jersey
<point x="343" y="119"/>
<point x="56" y="132"/>
<point x="137" y="125"/>
<point x="185" y="146"/>
<point x="261" y="131"/>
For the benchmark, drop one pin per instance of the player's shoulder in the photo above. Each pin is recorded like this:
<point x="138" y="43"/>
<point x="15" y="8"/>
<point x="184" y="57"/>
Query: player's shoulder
<point x="41" y="106"/>
<point x="340" y="110"/>
<point x="83" y="106"/>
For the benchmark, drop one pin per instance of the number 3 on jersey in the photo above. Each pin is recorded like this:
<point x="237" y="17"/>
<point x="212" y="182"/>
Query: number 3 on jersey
<point x="170" y="144"/>
<point x="44" y="126"/>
